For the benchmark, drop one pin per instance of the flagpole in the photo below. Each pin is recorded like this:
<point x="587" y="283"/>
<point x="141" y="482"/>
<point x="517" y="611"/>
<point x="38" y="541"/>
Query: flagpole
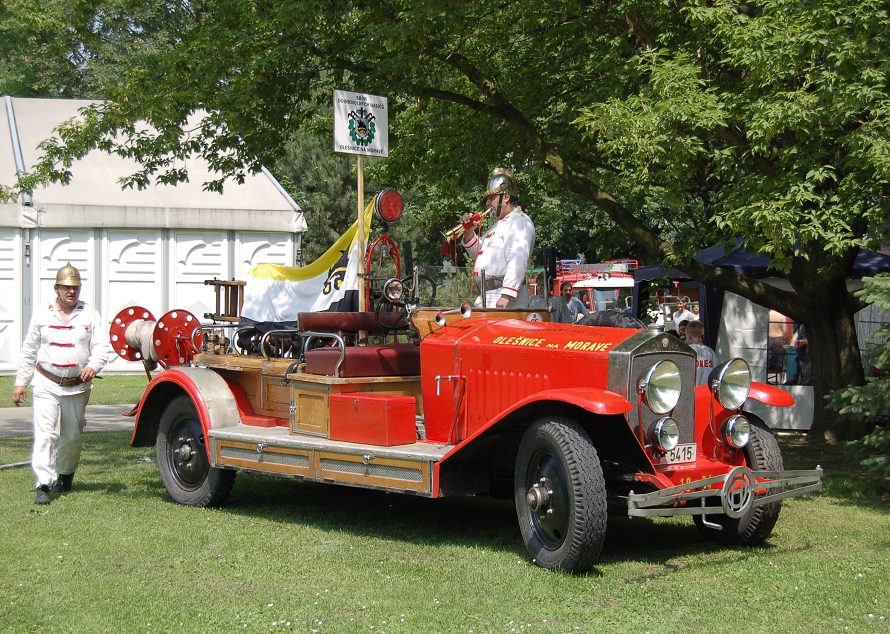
<point x="361" y="237"/>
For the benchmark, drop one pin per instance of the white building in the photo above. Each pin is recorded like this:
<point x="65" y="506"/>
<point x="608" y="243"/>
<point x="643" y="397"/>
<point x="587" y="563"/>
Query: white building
<point x="153" y="247"/>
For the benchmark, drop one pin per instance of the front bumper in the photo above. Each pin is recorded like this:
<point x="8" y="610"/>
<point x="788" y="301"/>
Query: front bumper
<point x="739" y="491"/>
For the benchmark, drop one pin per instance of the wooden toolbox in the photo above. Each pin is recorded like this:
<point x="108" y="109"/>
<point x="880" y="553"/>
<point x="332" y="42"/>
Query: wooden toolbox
<point x="373" y="419"/>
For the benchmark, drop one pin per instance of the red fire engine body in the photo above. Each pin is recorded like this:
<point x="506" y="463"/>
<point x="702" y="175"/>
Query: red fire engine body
<point x="572" y="422"/>
<point x="569" y="420"/>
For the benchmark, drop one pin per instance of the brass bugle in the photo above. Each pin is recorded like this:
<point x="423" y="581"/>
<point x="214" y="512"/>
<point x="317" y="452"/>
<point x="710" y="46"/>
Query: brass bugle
<point x="458" y="230"/>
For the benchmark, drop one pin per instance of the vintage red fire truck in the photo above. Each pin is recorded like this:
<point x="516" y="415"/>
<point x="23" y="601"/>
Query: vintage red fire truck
<point x="572" y="422"/>
<point x="600" y="286"/>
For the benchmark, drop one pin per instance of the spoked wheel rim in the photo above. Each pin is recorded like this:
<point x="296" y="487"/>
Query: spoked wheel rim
<point x="547" y="499"/>
<point x="187" y="455"/>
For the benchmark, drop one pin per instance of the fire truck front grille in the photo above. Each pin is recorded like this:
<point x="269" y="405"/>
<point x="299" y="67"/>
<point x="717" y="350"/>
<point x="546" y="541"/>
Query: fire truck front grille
<point x="684" y="412"/>
<point x="628" y="363"/>
<point x="375" y="470"/>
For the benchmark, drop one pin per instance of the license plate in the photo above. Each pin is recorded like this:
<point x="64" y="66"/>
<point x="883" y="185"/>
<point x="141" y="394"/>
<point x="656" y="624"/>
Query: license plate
<point x="679" y="454"/>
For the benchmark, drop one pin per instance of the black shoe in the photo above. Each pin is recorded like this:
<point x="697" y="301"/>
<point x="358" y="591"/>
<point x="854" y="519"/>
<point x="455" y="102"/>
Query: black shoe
<point x="42" y="496"/>
<point x="64" y="482"/>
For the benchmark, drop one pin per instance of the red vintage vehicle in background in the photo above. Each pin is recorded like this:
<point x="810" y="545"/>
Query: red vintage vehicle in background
<point x="572" y="422"/>
<point x="601" y="285"/>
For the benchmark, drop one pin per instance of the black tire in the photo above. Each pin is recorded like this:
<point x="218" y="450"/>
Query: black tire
<point x="182" y="458"/>
<point x="560" y="495"/>
<point x="761" y="453"/>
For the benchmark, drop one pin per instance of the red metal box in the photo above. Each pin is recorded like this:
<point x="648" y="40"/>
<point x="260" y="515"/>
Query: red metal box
<point x="373" y="419"/>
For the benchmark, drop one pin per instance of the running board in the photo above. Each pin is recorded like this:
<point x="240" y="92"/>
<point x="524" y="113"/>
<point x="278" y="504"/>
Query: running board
<point x="275" y="451"/>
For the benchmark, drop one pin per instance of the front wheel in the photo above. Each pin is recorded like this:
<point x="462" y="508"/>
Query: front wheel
<point x="762" y="453"/>
<point x="182" y="458"/>
<point x="560" y="495"/>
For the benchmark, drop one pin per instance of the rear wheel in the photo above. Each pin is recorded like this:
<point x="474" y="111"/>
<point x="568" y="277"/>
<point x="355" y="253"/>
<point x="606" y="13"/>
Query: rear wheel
<point x="560" y="495"/>
<point x="181" y="451"/>
<point x="762" y="453"/>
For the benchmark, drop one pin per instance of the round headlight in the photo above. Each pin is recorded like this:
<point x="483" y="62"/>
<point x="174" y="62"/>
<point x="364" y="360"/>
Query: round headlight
<point x="665" y="433"/>
<point x="730" y="382"/>
<point x="393" y="290"/>
<point x="660" y="386"/>
<point x="737" y="431"/>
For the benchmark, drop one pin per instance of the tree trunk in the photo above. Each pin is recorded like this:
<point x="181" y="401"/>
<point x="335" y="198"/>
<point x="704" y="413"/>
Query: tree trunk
<point x="836" y="362"/>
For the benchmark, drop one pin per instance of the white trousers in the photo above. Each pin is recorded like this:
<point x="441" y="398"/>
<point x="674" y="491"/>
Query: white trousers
<point x="58" y="423"/>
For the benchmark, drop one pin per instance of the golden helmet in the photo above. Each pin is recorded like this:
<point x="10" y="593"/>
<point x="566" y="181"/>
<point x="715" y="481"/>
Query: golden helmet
<point x="68" y="276"/>
<point x="501" y="181"/>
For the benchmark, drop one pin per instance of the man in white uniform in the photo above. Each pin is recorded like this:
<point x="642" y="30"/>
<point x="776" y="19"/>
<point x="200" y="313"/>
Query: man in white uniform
<point x="503" y="251"/>
<point x="66" y="345"/>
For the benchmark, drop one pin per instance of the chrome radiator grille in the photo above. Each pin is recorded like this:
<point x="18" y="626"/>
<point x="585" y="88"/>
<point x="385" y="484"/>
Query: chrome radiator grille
<point x="630" y="360"/>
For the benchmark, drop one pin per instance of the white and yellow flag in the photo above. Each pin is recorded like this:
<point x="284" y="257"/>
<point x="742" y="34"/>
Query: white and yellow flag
<point x="275" y="293"/>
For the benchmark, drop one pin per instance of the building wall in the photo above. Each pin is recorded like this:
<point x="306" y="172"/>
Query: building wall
<point x="157" y="269"/>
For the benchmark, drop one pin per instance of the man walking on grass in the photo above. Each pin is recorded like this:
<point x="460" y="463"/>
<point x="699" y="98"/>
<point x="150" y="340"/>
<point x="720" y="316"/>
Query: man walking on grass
<point x="66" y="346"/>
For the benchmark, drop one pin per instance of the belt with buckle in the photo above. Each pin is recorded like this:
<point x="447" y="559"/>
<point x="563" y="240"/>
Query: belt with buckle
<point x="493" y="282"/>
<point x="62" y="381"/>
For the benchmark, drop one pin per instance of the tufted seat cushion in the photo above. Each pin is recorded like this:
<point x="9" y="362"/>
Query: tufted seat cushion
<point x="400" y="359"/>
<point x="330" y="321"/>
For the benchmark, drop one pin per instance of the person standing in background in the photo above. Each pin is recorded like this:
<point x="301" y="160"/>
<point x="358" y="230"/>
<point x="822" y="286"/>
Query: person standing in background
<point x="682" y="313"/>
<point x="566" y="309"/>
<point x="681" y="329"/>
<point x="705" y="357"/>
<point x="66" y="346"/>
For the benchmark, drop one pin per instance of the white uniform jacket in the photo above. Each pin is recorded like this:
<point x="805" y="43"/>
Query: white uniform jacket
<point x="64" y="349"/>
<point x="503" y="252"/>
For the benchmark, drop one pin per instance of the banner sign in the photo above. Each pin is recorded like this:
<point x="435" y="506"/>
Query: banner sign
<point x="275" y="293"/>
<point x="361" y="124"/>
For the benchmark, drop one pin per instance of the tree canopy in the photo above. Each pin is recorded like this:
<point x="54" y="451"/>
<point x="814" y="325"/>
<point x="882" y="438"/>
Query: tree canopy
<point x="679" y="124"/>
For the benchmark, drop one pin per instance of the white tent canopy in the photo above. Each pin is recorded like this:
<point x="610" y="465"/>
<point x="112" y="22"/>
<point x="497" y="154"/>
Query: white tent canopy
<point x="95" y="198"/>
<point x="153" y="247"/>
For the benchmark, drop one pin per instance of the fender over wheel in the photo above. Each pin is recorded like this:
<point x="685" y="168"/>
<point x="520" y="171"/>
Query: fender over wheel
<point x="761" y="453"/>
<point x="560" y="495"/>
<point x="182" y="458"/>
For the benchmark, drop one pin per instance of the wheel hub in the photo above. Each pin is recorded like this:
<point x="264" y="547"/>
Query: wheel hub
<point x="539" y="496"/>
<point x="185" y="451"/>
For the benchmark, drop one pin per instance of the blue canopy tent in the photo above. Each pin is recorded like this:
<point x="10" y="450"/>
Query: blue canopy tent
<point x="733" y="257"/>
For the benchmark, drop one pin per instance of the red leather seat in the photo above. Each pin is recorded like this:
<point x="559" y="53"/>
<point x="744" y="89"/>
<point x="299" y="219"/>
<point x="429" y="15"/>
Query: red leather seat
<point x="331" y="321"/>
<point x="400" y="359"/>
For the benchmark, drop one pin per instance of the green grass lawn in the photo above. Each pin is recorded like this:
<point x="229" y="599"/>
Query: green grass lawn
<point x="113" y="389"/>
<point x="116" y="555"/>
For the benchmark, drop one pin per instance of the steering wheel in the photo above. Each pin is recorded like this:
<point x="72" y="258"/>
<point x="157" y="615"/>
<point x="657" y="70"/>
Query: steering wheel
<point x="612" y="318"/>
<point x="403" y="295"/>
